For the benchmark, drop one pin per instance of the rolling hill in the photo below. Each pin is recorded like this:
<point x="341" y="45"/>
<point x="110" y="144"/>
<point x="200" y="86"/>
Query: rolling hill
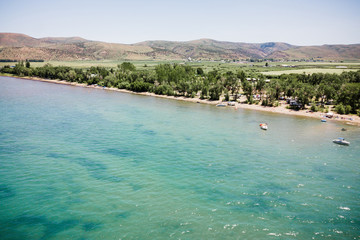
<point x="16" y="46"/>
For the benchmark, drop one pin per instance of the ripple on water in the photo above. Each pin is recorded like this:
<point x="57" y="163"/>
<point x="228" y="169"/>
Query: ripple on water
<point x="51" y="228"/>
<point x="118" y="152"/>
<point x="96" y="169"/>
<point x="6" y="191"/>
<point x="93" y="164"/>
<point x="91" y="226"/>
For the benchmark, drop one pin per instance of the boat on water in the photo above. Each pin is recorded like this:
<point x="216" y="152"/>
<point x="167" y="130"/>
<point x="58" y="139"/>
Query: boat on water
<point x="323" y="120"/>
<point x="341" y="141"/>
<point x="263" y="126"/>
<point x="221" y="105"/>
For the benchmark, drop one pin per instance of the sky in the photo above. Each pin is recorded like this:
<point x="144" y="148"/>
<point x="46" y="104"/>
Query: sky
<point x="298" y="22"/>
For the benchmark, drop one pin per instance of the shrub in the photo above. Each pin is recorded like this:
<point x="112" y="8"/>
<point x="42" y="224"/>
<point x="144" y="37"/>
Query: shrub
<point x="347" y="109"/>
<point x="314" y="108"/>
<point x="139" y="86"/>
<point x="164" y="90"/>
<point x="123" y="85"/>
<point x="340" y="109"/>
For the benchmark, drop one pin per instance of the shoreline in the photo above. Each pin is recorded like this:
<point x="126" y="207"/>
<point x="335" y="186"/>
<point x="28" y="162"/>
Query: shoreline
<point x="345" y="119"/>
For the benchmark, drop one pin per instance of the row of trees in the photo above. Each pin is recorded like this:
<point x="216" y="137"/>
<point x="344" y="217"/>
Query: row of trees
<point x="183" y="80"/>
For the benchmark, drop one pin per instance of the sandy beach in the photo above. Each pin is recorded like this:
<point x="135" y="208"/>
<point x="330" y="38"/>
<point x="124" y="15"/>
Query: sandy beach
<point x="345" y="119"/>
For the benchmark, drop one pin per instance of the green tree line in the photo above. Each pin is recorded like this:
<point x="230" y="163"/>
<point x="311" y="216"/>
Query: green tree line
<point x="315" y="90"/>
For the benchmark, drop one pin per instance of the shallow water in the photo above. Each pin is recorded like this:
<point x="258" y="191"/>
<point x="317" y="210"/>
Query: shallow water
<point x="82" y="163"/>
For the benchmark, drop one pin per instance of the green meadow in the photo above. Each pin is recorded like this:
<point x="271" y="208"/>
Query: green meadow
<point x="308" y="71"/>
<point x="266" y="68"/>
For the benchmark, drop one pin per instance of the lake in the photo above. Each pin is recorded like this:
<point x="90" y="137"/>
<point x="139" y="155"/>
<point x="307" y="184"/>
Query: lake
<point x="84" y="163"/>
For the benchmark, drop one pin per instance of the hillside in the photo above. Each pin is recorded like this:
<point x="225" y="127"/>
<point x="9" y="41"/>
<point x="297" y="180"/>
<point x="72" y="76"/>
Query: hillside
<point x="16" y="46"/>
<point x="327" y="52"/>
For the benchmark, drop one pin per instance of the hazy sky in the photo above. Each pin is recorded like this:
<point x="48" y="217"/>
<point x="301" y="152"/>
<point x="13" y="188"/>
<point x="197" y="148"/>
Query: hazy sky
<point x="298" y="22"/>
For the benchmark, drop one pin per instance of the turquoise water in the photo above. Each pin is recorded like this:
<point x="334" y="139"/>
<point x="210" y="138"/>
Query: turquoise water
<point x="81" y="163"/>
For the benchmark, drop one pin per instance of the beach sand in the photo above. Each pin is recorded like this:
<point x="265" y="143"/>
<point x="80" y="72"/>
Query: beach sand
<point x="346" y="119"/>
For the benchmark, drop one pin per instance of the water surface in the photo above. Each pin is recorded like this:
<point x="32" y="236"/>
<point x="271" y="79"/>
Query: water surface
<point x="82" y="163"/>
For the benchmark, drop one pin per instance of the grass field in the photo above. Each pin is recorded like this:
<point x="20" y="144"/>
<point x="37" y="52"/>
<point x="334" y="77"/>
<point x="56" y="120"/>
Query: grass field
<point x="274" y="68"/>
<point x="308" y="71"/>
<point x="150" y="65"/>
<point x="88" y="64"/>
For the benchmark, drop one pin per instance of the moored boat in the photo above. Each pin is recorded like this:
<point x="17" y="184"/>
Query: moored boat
<point x="263" y="126"/>
<point x="341" y="141"/>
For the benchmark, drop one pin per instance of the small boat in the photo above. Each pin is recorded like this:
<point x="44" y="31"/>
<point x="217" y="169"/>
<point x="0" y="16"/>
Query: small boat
<point x="341" y="141"/>
<point x="323" y="120"/>
<point x="343" y="129"/>
<point x="263" y="126"/>
<point x="221" y="105"/>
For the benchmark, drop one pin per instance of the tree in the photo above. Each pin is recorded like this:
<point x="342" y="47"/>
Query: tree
<point x="305" y="93"/>
<point x="72" y="76"/>
<point x="248" y="90"/>
<point x="109" y="81"/>
<point x="231" y="82"/>
<point x="260" y="85"/>
<point x="126" y="67"/>
<point x="215" y="92"/>
<point x="183" y="87"/>
<point x="227" y="97"/>
<point x="350" y="95"/>
<point x="241" y="75"/>
<point x="200" y="71"/>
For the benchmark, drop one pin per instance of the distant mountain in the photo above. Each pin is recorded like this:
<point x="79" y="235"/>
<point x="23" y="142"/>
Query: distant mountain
<point x="20" y="47"/>
<point x="17" y="40"/>
<point x="211" y="49"/>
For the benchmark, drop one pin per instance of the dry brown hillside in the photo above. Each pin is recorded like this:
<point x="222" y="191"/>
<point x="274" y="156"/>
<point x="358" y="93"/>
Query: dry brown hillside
<point x="16" y="46"/>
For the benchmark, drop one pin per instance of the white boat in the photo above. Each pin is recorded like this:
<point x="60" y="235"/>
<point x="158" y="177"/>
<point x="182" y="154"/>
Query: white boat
<point x="263" y="126"/>
<point x="341" y="141"/>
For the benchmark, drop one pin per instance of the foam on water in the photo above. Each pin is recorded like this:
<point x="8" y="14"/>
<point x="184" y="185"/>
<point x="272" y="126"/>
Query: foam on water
<point x="85" y="163"/>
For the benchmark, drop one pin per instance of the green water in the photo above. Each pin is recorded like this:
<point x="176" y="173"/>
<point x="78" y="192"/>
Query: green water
<point x="81" y="163"/>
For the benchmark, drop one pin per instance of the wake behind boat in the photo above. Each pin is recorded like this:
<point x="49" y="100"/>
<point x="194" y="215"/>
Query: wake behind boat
<point x="341" y="141"/>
